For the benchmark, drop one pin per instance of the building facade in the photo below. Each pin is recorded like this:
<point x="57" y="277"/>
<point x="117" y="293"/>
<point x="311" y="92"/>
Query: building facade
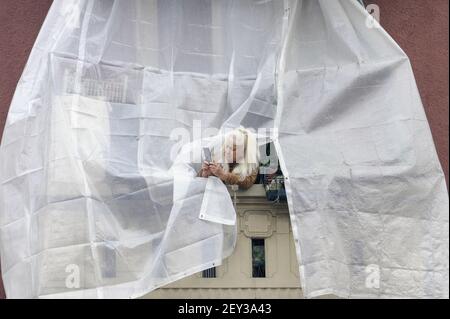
<point x="419" y="26"/>
<point x="264" y="263"/>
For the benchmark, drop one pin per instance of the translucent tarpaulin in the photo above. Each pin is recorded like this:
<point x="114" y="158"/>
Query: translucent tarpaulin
<point x="99" y="198"/>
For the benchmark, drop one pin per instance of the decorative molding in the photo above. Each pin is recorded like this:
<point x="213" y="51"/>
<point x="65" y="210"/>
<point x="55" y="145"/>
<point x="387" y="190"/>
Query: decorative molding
<point x="258" y="223"/>
<point x="272" y="256"/>
<point x="229" y="293"/>
<point x="244" y="250"/>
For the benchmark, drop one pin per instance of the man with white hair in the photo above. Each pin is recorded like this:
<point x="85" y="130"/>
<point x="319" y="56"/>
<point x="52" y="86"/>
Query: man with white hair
<point x="237" y="162"/>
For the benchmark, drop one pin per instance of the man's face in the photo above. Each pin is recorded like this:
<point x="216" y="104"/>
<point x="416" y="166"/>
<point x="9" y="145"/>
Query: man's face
<point x="234" y="149"/>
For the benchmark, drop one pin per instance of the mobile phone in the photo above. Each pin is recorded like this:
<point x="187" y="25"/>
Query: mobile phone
<point x="207" y="154"/>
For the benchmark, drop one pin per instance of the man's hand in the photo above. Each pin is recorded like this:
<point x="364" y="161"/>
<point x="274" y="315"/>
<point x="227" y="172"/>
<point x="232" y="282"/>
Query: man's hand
<point x="205" y="169"/>
<point x="217" y="170"/>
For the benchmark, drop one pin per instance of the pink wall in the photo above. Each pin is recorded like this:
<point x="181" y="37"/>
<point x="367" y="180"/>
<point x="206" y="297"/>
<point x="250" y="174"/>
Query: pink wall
<point x="419" y="26"/>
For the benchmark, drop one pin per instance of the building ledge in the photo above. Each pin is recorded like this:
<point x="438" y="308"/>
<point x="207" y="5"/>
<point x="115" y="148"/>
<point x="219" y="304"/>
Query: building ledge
<point x="255" y="195"/>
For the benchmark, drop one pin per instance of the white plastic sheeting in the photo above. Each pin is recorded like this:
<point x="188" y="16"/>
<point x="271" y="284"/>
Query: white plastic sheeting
<point x="367" y="196"/>
<point x="97" y="197"/>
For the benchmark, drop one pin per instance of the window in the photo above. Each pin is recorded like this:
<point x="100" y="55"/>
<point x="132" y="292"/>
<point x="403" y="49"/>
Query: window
<point x="258" y="258"/>
<point x="209" y="273"/>
<point x="111" y="90"/>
